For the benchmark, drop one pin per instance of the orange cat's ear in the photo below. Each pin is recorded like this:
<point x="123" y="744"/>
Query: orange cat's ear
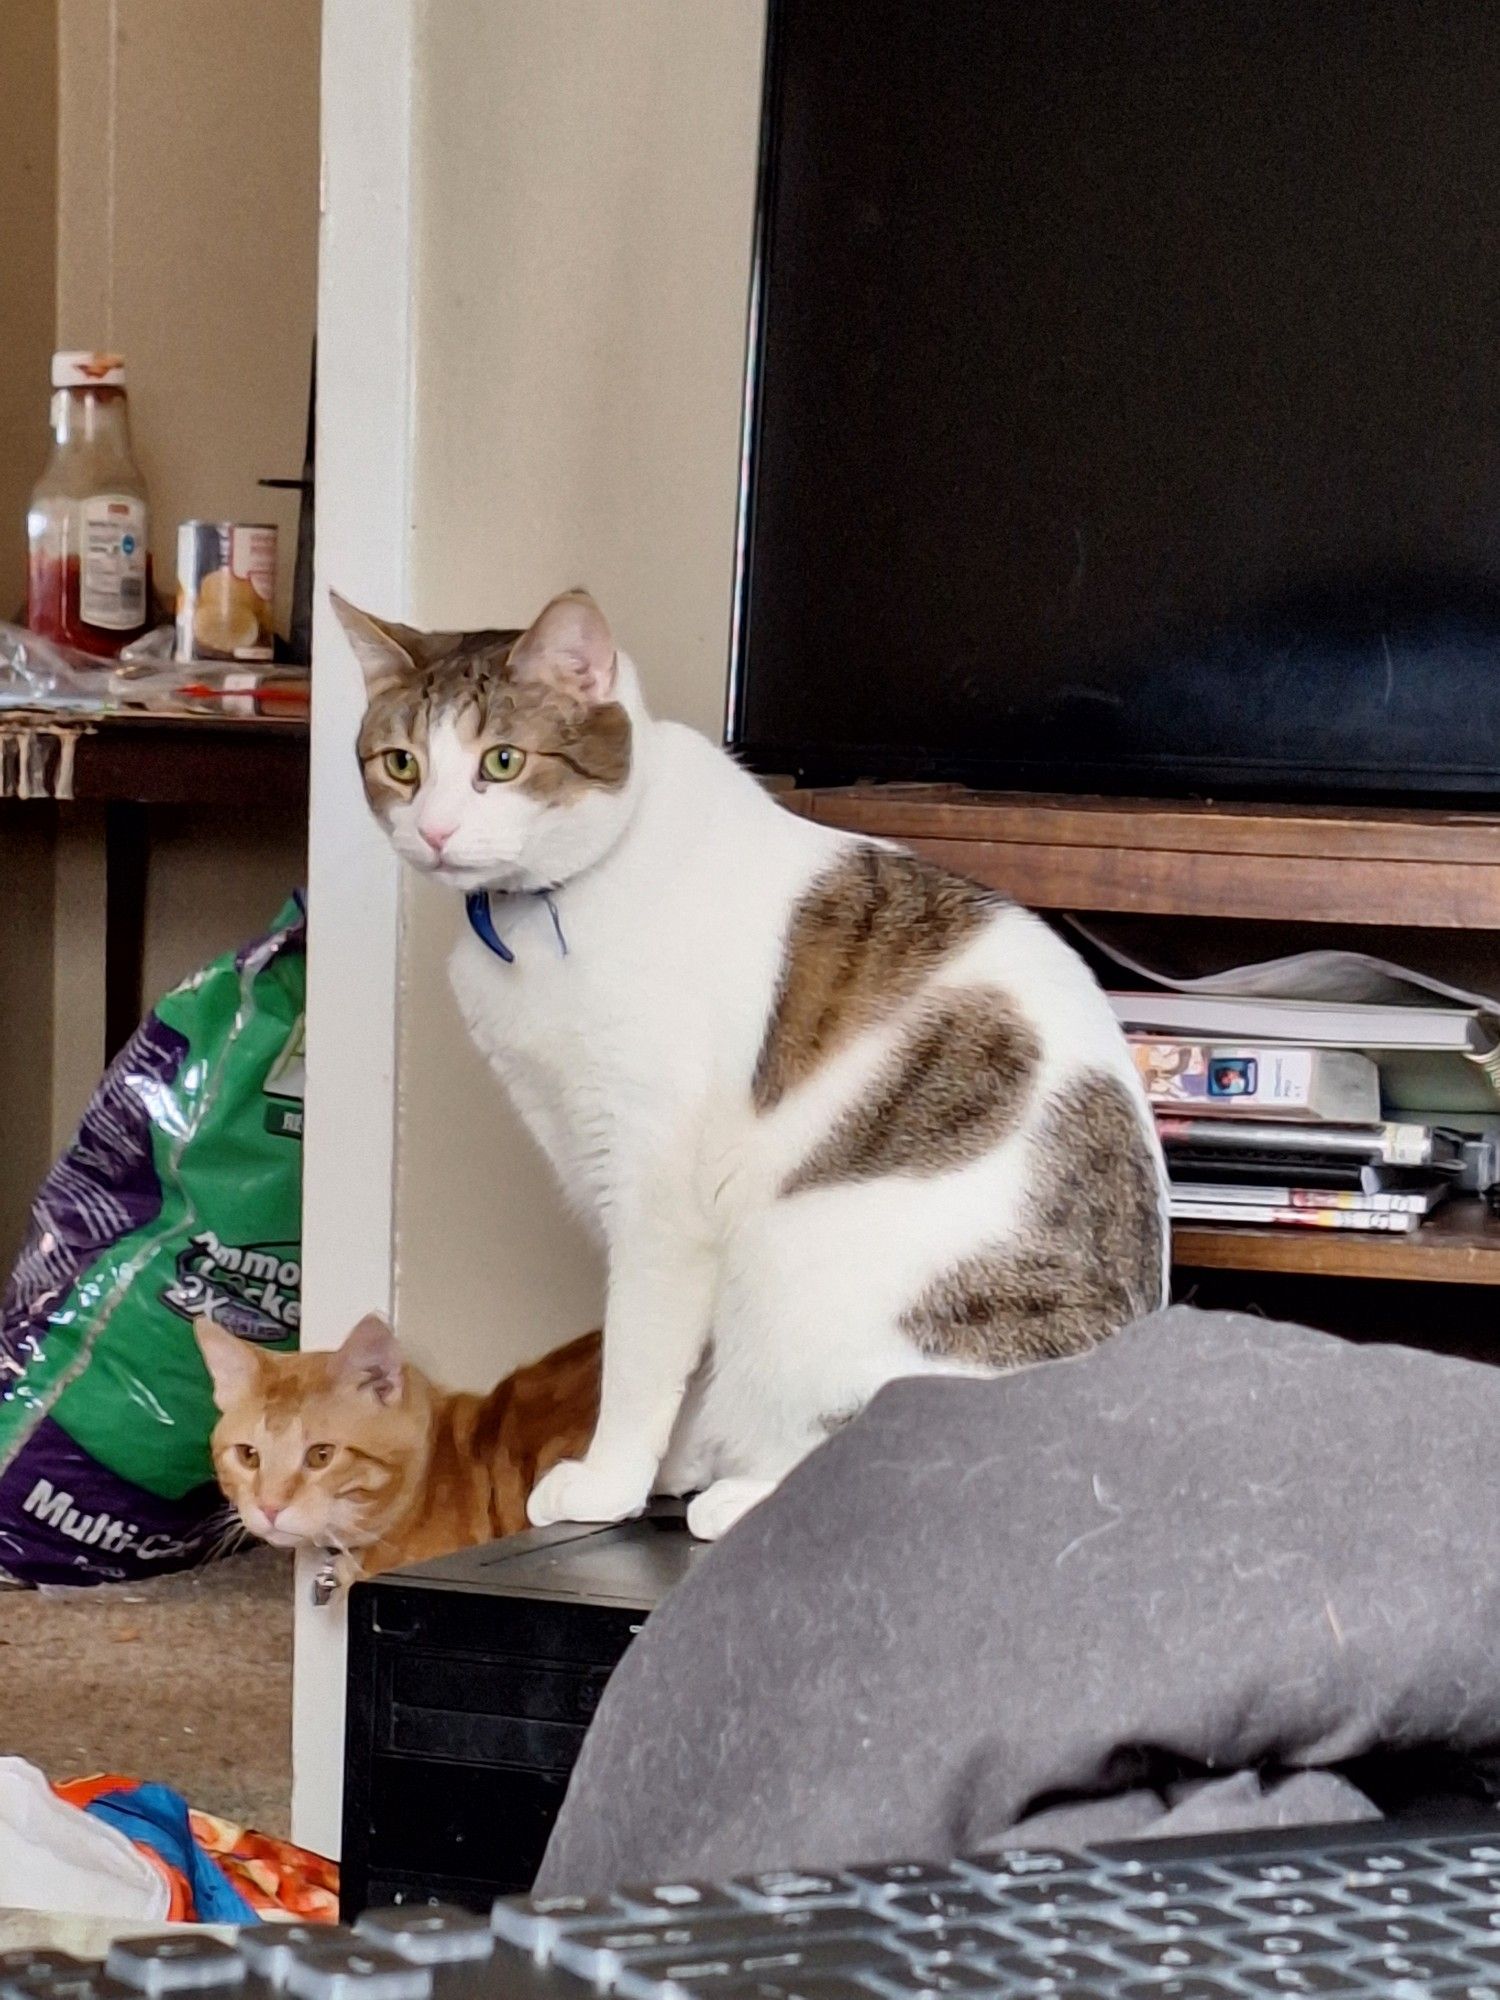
<point x="386" y="652"/>
<point x="233" y="1368"/>
<point x="371" y="1360"/>
<point x="570" y="646"/>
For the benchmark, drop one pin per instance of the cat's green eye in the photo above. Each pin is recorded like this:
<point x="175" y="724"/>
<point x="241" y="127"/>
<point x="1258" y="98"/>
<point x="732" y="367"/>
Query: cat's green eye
<point x="247" y="1454"/>
<point x="501" y="763"/>
<point x="401" y="765"/>
<point x="318" y="1456"/>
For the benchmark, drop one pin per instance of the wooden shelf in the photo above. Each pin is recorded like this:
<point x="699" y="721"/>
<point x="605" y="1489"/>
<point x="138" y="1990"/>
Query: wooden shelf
<point x="1437" y="870"/>
<point x="1459" y="1245"/>
<point x="151" y="760"/>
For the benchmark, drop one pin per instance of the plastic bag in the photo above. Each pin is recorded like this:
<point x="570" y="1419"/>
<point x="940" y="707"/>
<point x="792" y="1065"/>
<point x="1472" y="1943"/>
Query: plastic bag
<point x="55" y="1857"/>
<point x="180" y="1194"/>
<point x="37" y="674"/>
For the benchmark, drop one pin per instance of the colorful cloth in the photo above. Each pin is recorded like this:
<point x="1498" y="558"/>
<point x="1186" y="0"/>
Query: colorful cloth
<point x="216" y="1872"/>
<point x="279" y="1881"/>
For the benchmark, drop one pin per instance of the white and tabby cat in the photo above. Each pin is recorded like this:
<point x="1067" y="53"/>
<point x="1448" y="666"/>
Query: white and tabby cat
<point x="837" y="1116"/>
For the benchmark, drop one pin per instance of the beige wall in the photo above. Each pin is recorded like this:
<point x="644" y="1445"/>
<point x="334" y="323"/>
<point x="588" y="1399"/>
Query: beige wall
<point x="187" y="239"/>
<point x="183" y="205"/>
<point x="215" y="880"/>
<point x="28" y="64"/>
<point x="28" y="197"/>
<point x="580" y="322"/>
<point x="584" y="199"/>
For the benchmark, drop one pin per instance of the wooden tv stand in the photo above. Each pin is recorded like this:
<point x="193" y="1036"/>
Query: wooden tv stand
<point x="1415" y="870"/>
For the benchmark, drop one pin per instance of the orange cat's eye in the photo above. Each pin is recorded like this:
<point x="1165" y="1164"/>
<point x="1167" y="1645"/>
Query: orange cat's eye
<point x="318" y="1456"/>
<point x="247" y="1454"/>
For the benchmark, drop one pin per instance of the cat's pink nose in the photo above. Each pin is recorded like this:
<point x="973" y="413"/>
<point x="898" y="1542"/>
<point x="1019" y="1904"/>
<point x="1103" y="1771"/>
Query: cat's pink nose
<point x="437" y="837"/>
<point x="271" y="1513"/>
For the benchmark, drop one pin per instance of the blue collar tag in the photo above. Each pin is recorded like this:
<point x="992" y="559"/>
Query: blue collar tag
<point x="477" y="908"/>
<point x="482" y="923"/>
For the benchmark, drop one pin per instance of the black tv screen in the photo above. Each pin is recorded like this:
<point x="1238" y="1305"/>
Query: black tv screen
<point x="1123" y="408"/>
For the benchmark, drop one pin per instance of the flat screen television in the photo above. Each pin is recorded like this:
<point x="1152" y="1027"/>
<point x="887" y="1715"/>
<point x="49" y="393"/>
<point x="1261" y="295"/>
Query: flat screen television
<point x="1123" y="398"/>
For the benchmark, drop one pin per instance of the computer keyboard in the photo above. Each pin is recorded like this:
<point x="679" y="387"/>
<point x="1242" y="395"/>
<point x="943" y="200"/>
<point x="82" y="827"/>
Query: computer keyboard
<point x="1349" y="1911"/>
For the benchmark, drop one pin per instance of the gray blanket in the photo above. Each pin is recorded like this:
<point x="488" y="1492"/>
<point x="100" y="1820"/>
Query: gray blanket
<point x="1170" y="1585"/>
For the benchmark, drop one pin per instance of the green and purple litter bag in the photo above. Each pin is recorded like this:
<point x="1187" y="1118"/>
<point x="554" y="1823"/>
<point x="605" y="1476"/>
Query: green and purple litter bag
<point x="180" y="1194"/>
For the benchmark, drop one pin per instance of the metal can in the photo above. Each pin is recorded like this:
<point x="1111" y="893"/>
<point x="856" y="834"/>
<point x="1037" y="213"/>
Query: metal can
<point x="226" y="585"/>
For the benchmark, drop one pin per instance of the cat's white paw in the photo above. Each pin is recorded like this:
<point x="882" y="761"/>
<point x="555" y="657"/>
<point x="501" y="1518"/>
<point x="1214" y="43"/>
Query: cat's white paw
<point x="716" y="1510"/>
<point x="580" y="1490"/>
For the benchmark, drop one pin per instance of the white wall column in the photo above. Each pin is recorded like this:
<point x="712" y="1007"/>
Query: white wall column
<point x="364" y="535"/>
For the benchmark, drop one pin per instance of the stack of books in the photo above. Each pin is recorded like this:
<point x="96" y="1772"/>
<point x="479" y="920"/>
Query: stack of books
<point x="1270" y="1112"/>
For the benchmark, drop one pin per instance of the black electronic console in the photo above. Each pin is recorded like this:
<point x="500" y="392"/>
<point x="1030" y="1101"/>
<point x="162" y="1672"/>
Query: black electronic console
<point x="472" y="1679"/>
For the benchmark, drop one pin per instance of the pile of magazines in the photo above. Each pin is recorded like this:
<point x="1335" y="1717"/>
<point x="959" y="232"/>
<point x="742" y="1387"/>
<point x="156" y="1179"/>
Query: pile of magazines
<point x="1278" y="1103"/>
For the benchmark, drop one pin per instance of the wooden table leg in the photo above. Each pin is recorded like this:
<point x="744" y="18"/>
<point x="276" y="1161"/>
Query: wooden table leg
<point x="127" y="852"/>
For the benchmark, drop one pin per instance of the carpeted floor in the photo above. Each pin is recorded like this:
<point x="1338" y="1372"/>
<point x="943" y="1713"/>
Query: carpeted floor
<point x="187" y="1680"/>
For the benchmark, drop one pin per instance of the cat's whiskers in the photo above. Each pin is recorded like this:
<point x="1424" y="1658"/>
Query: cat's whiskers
<point x="231" y="1537"/>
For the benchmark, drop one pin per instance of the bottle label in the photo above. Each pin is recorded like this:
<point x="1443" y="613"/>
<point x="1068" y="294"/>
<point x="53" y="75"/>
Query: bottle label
<point x="112" y="570"/>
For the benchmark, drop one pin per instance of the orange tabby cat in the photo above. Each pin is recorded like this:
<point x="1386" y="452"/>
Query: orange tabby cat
<point x="359" y="1454"/>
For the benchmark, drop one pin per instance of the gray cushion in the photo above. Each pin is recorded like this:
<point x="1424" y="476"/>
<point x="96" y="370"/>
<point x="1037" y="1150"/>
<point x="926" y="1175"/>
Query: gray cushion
<point x="1068" y="1603"/>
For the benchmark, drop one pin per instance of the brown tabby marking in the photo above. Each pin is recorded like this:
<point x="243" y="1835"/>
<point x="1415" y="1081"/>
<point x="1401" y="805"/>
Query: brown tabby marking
<point x="1088" y="1261"/>
<point x="956" y="1084"/>
<point x="571" y="745"/>
<point x="418" y="1471"/>
<point x="859" y="945"/>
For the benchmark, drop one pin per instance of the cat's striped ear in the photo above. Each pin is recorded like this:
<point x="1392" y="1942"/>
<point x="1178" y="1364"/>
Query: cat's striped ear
<point x="233" y="1368"/>
<point x="569" y="647"/>
<point x="387" y="652"/>
<point x="371" y="1360"/>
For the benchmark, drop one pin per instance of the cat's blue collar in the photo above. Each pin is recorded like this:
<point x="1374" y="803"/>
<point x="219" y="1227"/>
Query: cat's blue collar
<point x="482" y="923"/>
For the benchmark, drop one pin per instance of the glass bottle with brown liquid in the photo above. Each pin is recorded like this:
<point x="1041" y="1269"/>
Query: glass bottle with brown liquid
<point x="89" y="568"/>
